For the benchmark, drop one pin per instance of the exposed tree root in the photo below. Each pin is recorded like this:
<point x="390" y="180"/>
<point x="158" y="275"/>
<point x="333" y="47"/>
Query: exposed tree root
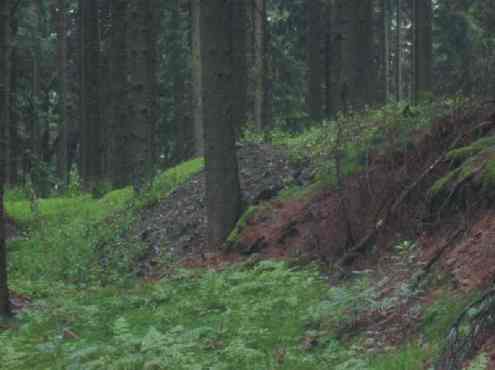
<point x="475" y="324"/>
<point x="370" y="238"/>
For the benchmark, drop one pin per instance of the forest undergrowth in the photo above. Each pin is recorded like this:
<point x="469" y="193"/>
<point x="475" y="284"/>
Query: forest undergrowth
<point x="82" y="304"/>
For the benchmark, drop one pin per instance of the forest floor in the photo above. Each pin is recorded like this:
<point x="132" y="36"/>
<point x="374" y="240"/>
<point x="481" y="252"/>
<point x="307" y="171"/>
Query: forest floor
<point x="392" y="269"/>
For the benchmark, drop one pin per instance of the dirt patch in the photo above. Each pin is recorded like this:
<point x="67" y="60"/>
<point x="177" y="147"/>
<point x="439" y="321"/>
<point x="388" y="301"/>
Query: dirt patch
<point x="470" y="260"/>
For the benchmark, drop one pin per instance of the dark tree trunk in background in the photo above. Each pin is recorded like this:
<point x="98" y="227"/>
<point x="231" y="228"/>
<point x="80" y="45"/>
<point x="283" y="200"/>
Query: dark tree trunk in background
<point x="364" y="53"/>
<point x="4" y="125"/>
<point x="239" y="27"/>
<point x="222" y="178"/>
<point x="197" y="90"/>
<point x="398" y="50"/>
<point x="382" y="53"/>
<point x="12" y="134"/>
<point x="121" y="174"/>
<point x="91" y="141"/>
<point x="184" y="148"/>
<point x="423" y="50"/>
<point x="139" y="93"/>
<point x="62" y="150"/>
<point x="314" y="33"/>
<point x="153" y="17"/>
<point x="260" y="64"/>
<point x="330" y="58"/>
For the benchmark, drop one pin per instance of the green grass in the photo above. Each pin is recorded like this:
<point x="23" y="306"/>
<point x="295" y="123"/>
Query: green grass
<point x="80" y="240"/>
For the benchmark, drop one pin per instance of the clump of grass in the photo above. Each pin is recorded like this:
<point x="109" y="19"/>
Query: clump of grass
<point x="82" y="240"/>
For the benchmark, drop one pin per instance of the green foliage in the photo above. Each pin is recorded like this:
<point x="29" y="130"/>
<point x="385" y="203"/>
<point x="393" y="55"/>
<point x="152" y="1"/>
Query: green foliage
<point x="351" y="139"/>
<point x="481" y="362"/>
<point x="241" y="224"/>
<point x="81" y="240"/>
<point x="475" y="163"/>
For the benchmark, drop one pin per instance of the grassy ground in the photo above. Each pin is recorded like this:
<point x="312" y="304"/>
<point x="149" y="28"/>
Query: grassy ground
<point x="90" y="311"/>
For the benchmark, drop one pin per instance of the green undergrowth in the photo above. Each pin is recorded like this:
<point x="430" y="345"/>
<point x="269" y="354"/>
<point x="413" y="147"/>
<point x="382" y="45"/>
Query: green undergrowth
<point x="265" y="317"/>
<point x="354" y="137"/>
<point x="473" y="164"/>
<point x="81" y="240"/>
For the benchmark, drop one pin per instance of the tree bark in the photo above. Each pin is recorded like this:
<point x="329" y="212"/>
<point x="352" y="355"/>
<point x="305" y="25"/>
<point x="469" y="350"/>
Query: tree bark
<point x="239" y="43"/>
<point x="330" y="58"/>
<point x="197" y="92"/>
<point x="121" y="175"/>
<point x="398" y="51"/>
<point x="314" y="65"/>
<point x="140" y="109"/>
<point x="91" y="141"/>
<point x="259" y="63"/>
<point x="62" y="150"/>
<point x="423" y="50"/>
<point x="4" y="124"/>
<point x="222" y="178"/>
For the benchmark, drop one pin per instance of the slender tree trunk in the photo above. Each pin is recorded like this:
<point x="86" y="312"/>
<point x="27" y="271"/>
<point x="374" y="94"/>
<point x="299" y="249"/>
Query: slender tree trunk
<point x="364" y="53"/>
<point x="398" y="51"/>
<point x="239" y="39"/>
<point x="153" y="8"/>
<point x="382" y="53"/>
<point x="4" y="124"/>
<point x="222" y="178"/>
<point x="348" y="23"/>
<point x="197" y="92"/>
<point x="423" y="50"/>
<point x="259" y="63"/>
<point x="121" y="174"/>
<point x="184" y="148"/>
<point x="62" y="150"/>
<point x="91" y="141"/>
<point x="329" y="48"/>
<point x="139" y="110"/>
<point x="13" y="135"/>
<point x="314" y="66"/>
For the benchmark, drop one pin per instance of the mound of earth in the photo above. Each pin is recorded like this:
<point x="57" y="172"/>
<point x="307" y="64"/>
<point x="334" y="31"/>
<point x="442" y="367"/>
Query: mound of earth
<point x="177" y="227"/>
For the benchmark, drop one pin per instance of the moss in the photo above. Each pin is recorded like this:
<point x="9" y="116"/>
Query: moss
<point x="235" y="234"/>
<point x="488" y="176"/>
<point x="461" y="154"/>
<point x="442" y="184"/>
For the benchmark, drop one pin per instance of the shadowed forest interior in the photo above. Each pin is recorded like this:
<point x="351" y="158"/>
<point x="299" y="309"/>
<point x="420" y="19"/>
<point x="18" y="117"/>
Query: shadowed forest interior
<point x="247" y="184"/>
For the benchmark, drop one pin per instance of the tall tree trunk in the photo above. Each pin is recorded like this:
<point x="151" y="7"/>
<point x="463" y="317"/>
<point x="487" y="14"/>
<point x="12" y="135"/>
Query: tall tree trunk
<point x="364" y="53"/>
<point x="423" y="50"/>
<point x="38" y="175"/>
<point x="4" y="124"/>
<point x="119" y="126"/>
<point x="329" y="48"/>
<point x="197" y="92"/>
<point x="314" y="66"/>
<point x="153" y="16"/>
<point x="62" y="150"/>
<point x="13" y="135"/>
<point x="91" y="141"/>
<point x="398" y="50"/>
<point x="139" y="110"/>
<point x="348" y="23"/>
<point x="259" y="52"/>
<point x="382" y="53"/>
<point x="184" y="148"/>
<point x="222" y="178"/>
<point x="239" y="40"/>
